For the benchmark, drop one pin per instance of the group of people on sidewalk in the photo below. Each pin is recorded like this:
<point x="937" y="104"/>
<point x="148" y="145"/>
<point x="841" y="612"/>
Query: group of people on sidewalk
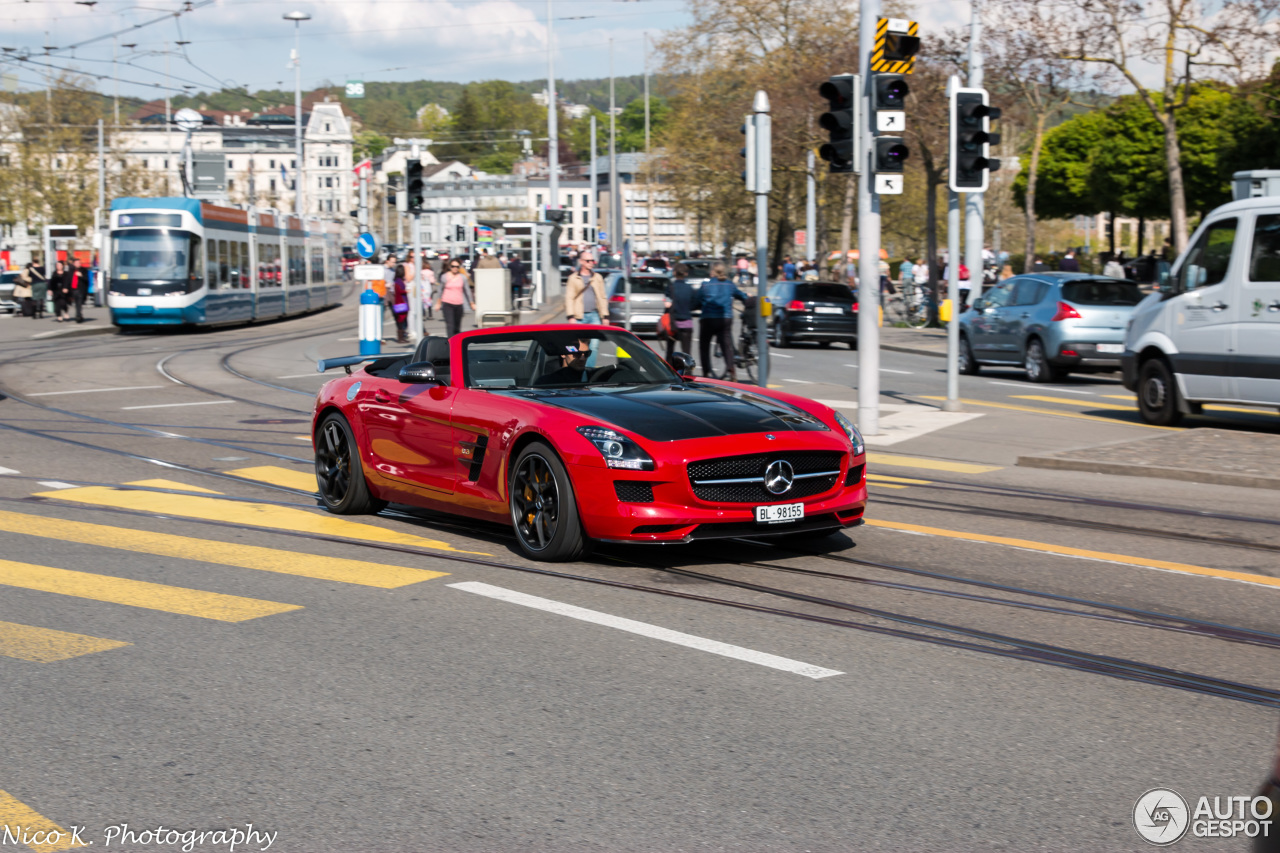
<point x="67" y="285"/>
<point x="455" y="293"/>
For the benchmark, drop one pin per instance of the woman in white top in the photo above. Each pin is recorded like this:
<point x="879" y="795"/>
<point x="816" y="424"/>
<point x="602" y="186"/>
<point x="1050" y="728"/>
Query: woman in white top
<point x="427" y="283"/>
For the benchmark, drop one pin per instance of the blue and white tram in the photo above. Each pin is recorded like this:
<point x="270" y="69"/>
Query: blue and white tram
<point x="180" y="261"/>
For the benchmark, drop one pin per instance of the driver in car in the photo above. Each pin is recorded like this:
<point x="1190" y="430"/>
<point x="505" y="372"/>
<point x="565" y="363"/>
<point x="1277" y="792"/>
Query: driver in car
<point x="573" y="369"/>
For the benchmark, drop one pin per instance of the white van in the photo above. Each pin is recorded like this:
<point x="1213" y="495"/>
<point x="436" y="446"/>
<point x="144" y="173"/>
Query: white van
<point x="1212" y="334"/>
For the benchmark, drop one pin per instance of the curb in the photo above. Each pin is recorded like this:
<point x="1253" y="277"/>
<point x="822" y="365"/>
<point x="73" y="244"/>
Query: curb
<point x="75" y="332"/>
<point x="1190" y="475"/>
<point x="912" y="350"/>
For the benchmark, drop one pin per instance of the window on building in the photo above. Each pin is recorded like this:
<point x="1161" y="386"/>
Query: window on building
<point x="586" y="200"/>
<point x="273" y="184"/>
<point x="326" y="127"/>
<point x="271" y="164"/>
<point x="293" y="164"/>
<point x="539" y="200"/>
<point x="231" y="183"/>
<point x="231" y="164"/>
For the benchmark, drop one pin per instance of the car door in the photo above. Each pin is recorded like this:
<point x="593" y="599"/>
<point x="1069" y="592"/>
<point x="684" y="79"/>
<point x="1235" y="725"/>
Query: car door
<point x="1018" y="316"/>
<point x="1256" y="365"/>
<point x="1201" y="325"/>
<point x="984" y="325"/>
<point x="410" y="437"/>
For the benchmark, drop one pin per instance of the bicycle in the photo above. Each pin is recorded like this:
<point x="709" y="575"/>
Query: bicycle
<point x="916" y="302"/>
<point x="744" y="355"/>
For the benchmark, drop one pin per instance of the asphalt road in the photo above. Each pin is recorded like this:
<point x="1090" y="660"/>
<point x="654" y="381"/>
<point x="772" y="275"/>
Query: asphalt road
<point x="205" y="649"/>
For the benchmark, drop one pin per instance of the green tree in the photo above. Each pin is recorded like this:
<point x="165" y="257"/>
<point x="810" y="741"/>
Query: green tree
<point x="370" y="143"/>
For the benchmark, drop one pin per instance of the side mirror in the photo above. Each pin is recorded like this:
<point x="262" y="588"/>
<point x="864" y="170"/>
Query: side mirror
<point x="418" y="373"/>
<point x="683" y="363"/>
<point x="978" y="304"/>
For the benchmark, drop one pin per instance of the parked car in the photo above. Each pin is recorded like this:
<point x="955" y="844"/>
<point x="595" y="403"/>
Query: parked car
<point x="820" y="311"/>
<point x="7" y="282"/>
<point x="655" y="265"/>
<point x="1050" y="324"/>
<point x="699" y="271"/>
<point x="647" y="303"/>
<point x="1212" y="335"/>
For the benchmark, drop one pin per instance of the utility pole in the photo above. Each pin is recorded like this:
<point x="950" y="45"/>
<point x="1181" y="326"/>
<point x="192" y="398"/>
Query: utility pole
<point x="615" y="195"/>
<point x="760" y="182"/>
<point x="646" y="98"/>
<point x="595" y="188"/>
<point x="415" y="287"/>
<point x="810" y="210"/>
<point x="115" y="44"/>
<point x="868" y="240"/>
<point x="952" y="403"/>
<point x="974" y="202"/>
<point x="553" y="142"/>
<point x="299" y="171"/>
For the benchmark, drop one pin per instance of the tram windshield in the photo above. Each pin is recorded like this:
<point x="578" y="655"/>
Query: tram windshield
<point x="149" y="254"/>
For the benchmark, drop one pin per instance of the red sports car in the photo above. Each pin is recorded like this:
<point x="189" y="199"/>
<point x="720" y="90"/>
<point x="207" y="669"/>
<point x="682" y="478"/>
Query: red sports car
<point x="579" y="433"/>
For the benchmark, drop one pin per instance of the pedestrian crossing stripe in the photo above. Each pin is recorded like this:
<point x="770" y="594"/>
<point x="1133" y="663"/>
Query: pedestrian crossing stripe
<point x="45" y="645"/>
<point x="274" y="475"/>
<point x="18" y="816"/>
<point x="221" y="553"/>
<point x="135" y="593"/>
<point x="267" y="516"/>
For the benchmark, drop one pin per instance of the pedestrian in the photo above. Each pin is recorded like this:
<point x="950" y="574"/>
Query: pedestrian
<point x="517" y="269"/>
<point x="744" y="270"/>
<point x="679" y="302"/>
<point x="1040" y="266"/>
<point x="39" y="290"/>
<point x="1069" y="263"/>
<point x="400" y="305"/>
<point x="77" y="285"/>
<point x="1113" y="269"/>
<point x="427" y="285"/>
<point x="965" y="286"/>
<point x="788" y="269"/>
<point x="715" y="298"/>
<point x="907" y="273"/>
<point x="488" y="261"/>
<point x="455" y="294"/>
<point x="22" y="291"/>
<point x="753" y="273"/>
<point x="584" y="298"/>
<point x="57" y="286"/>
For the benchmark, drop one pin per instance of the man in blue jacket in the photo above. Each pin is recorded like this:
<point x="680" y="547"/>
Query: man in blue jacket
<point x="715" y="298"/>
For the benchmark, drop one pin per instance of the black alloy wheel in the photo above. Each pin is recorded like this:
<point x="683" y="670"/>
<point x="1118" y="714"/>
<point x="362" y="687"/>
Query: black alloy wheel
<point x="339" y="475"/>
<point x="544" y="512"/>
<point x="967" y="364"/>
<point x="1158" y="393"/>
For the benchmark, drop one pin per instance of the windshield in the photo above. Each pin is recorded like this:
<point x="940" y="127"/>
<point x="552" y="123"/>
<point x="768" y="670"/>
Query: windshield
<point x="644" y="284"/>
<point x="1101" y="292"/>
<point x="824" y="292"/>
<point x="149" y="254"/>
<point x="562" y="359"/>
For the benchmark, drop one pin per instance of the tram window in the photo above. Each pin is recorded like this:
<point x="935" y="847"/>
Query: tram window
<point x="224" y="264"/>
<point x="246" y="280"/>
<point x="213" y="264"/>
<point x="195" y="273"/>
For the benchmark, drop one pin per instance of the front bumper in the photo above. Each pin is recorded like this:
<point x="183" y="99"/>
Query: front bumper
<point x="820" y="328"/>
<point x="676" y="515"/>
<point x="1129" y="370"/>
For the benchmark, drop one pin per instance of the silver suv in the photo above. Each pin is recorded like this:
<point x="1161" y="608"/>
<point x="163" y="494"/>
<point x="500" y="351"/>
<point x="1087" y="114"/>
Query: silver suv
<point x="1051" y="324"/>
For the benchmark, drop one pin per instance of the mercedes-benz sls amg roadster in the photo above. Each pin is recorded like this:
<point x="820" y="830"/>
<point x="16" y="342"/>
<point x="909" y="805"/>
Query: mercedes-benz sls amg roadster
<point x="575" y="434"/>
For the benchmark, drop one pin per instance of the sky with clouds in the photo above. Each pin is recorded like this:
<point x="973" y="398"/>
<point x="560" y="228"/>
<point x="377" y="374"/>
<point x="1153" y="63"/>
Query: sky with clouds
<point x="247" y="42"/>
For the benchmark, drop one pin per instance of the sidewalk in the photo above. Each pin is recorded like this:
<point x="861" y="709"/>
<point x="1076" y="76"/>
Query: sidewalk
<point x="15" y="328"/>
<point x="1220" y="457"/>
<point x="915" y="341"/>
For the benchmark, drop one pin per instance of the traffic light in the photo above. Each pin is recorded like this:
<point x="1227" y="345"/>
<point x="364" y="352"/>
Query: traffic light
<point x="414" y="185"/>
<point x="840" y="122"/>
<point x="553" y="214"/>
<point x="971" y="140"/>
<point x="889" y="102"/>
<point x="748" y="152"/>
<point x="891" y="154"/>
<point x="459" y="234"/>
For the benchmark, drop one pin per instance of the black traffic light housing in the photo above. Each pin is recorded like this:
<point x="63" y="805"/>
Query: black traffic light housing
<point x="415" y="185"/>
<point x="890" y="91"/>
<point x="891" y="154"/>
<point x="459" y="233"/>
<point x="971" y="139"/>
<point x="839" y="122"/>
<point x="553" y="214"/>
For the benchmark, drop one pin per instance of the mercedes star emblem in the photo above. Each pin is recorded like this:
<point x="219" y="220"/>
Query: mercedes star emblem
<point x="778" y="477"/>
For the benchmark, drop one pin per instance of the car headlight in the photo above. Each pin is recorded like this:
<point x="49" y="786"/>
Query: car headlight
<point x="618" y="450"/>
<point x="855" y="437"/>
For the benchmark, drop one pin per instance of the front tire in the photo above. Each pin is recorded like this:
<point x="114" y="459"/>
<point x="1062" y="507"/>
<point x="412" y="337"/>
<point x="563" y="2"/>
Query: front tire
<point x="967" y="364"/>
<point x="339" y="474"/>
<point x="544" y="511"/>
<point x="1158" y="393"/>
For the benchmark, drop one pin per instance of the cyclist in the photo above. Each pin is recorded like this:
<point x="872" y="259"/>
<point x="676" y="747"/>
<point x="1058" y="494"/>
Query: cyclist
<point x="679" y="303"/>
<point x="715" y="298"/>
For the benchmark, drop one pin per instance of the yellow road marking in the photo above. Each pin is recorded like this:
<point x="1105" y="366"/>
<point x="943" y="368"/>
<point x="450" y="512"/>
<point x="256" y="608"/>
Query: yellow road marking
<point x="1208" y="407"/>
<point x="884" y="478"/>
<point x="243" y="512"/>
<point x="1243" y="409"/>
<point x="277" y="476"/>
<point x="1129" y="397"/>
<point x="171" y="485"/>
<point x="1030" y="545"/>
<point x="223" y="553"/>
<point x="44" y="645"/>
<point x="1056" y="414"/>
<point x="1076" y="402"/>
<point x="895" y="461"/>
<point x="885" y="485"/>
<point x="152" y="596"/>
<point x="20" y="819"/>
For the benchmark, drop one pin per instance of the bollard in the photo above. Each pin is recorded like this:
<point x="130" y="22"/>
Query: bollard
<point x="370" y="321"/>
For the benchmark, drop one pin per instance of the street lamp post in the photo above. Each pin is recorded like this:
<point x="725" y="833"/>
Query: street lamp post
<point x="299" y="172"/>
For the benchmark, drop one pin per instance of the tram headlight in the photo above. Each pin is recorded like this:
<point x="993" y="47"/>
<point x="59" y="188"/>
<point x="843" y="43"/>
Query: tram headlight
<point x="618" y="450"/>
<point x="855" y="437"/>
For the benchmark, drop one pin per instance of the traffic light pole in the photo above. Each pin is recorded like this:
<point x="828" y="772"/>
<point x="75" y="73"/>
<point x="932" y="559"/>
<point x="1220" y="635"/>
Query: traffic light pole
<point x="763" y="182"/>
<point x="415" y="286"/>
<point x="868" y="242"/>
<point x="952" y="403"/>
<point x="974" y="203"/>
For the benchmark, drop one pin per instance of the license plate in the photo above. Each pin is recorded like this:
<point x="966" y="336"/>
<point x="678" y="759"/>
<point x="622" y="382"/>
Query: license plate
<point x="1117" y="349"/>
<point x="822" y="309"/>
<point x="144" y="291"/>
<point x="777" y="513"/>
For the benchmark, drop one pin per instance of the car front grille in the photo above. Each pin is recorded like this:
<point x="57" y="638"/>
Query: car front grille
<point x="815" y="471"/>
<point x="633" y="491"/>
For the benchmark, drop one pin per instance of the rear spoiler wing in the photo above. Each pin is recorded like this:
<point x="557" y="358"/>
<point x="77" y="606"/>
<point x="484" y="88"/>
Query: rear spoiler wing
<point x="347" y="361"/>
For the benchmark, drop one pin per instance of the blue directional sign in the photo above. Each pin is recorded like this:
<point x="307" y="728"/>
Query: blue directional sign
<point x="603" y="235"/>
<point x="366" y="245"/>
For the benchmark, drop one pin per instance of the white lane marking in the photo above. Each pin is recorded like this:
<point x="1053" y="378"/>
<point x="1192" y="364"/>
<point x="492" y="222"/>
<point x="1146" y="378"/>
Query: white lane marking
<point x="96" y="390"/>
<point x="174" y="405"/>
<point x="1028" y="386"/>
<point x="798" y="381"/>
<point x="779" y="355"/>
<point x="312" y="375"/>
<point x="4" y="471"/>
<point x="646" y="630"/>
<point x="887" y="370"/>
<point x="56" y="484"/>
<point x="1069" y="390"/>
